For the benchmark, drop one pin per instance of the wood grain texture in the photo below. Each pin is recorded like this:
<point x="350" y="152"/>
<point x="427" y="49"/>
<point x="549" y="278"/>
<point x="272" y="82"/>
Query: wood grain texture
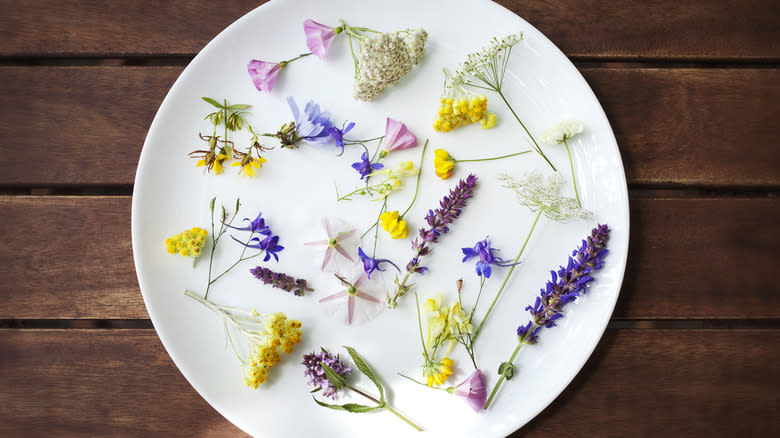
<point x="657" y="29"/>
<point x="638" y="382"/>
<point x="688" y="258"/>
<point x="675" y="127"/>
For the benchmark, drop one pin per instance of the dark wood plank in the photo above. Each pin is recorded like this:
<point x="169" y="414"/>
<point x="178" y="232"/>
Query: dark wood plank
<point x="675" y="127"/>
<point x="638" y="382"/>
<point x="688" y="258"/>
<point x="659" y="29"/>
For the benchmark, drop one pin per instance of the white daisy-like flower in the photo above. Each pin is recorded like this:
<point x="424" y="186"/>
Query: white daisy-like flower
<point x="562" y="131"/>
<point x="537" y="194"/>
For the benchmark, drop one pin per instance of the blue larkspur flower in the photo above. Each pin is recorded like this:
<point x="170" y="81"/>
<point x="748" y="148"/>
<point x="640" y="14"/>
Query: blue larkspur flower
<point x="312" y="124"/>
<point x="484" y="252"/>
<point x="566" y="285"/>
<point x="365" y="167"/>
<point x="256" y="226"/>
<point x="371" y="264"/>
<point x="269" y="244"/>
<point x="338" y="134"/>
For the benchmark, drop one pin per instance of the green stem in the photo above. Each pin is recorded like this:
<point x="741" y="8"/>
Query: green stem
<point x="573" y="179"/>
<point x="536" y="145"/>
<point x="283" y="64"/>
<point x="506" y="279"/>
<point x="494" y="158"/>
<point x="501" y="379"/>
<point x="417" y="186"/>
<point x="376" y="233"/>
<point x="385" y="406"/>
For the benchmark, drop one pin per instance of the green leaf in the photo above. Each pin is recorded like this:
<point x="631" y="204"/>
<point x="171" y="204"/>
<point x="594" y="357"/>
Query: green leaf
<point x="211" y="205"/>
<point x="349" y="407"/>
<point x="239" y="106"/>
<point x="213" y="102"/>
<point x="365" y="369"/>
<point x="333" y="377"/>
<point x="506" y="369"/>
<point x="238" y="204"/>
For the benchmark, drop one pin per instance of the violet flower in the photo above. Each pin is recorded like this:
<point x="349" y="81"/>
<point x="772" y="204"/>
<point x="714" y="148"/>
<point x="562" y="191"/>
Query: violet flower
<point x="342" y="240"/>
<point x="484" y="252"/>
<point x="370" y="264"/>
<point x="263" y="74"/>
<point x="438" y="220"/>
<point x="365" y="167"/>
<point x="256" y="226"/>
<point x="357" y="289"/>
<point x="270" y="245"/>
<point x="315" y="374"/>
<point x="319" y="36"/>
<point x="397" y="137"/>
<point x="473" y="390"/>
<point x="312" y="124"/>
<point x="338" y="134"/>
<point x="281" y="280"/>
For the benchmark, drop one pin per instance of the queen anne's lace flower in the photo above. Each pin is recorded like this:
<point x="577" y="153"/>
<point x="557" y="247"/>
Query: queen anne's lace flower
<point x="562" y="131"/>
<point x="537" y="194"/>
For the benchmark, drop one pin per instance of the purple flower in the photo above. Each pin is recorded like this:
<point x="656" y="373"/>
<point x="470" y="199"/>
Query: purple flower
<point x="483" y="250"/>
<point x="313" y="124"/>
<point x="567" y="284"/>
<point x="263" y="74"/>
<point x="397" y="137"/>
<point x="370" y="265"/>
<point x="473" y="390"/>
<point x="364" y="167"/>
<point x="315" y="374"/>
<point x="338" y="134"/>
<point x="256" y="226"/>
<point x="270" y="245"/>
<point x="281" y="280"/>
<point x="319" y="37"/>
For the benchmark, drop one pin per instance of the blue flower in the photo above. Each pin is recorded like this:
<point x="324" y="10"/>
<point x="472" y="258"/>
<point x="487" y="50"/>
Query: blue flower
<point x="365" y="167"/>
<point x="256" y="226"/>
<point x="270" y="245"/>
<point x="483" y="250"/>
<point x="313" y="124"/>
<point x="338" y="134"/>
<point x="370" y="265"/>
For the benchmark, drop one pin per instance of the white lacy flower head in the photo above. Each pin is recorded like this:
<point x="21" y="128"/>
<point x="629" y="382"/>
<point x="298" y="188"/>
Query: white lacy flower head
<point x="537" y="194"/>
<point x="562" y="131"/>
<point x="492" y="57"/>
<point x="386" y="58"/>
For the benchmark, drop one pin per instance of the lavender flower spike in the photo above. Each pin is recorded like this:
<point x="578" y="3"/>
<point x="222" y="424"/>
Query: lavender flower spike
<point x="438" y="220"/>
<point x="315" y="374"/>
<point x="281" y="281"/>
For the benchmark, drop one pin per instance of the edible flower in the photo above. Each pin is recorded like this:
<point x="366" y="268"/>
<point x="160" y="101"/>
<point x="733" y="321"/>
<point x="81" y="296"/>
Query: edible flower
<point x="398" y="229"/>
<point x="371" y="264"/>
<point x="312" y="125"/>
<point x="315" y="373"/>
<point x="263" y="74"/>
<point x="358" y="288"/>
<point x="365" y="167"/>
<point x="443" y="163"/>
<point x="319" y="36"/>
<point x="338" y="134"/>
<point x="248" y="165"/>
<point x="188" y="243"/>
<point x="341" y="241"/>
<point x="484" y="252"/>
<point x="562" y="132"/>
<point x="473" y="389"/>
<point x="397" y="137"/>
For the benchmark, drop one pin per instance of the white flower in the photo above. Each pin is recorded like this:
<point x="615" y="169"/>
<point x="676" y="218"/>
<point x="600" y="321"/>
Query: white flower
<point x="562" y="131"/>
<point x="536" y="194"/>
<point x="386" y="58"/>
<point x="487" y="63"/>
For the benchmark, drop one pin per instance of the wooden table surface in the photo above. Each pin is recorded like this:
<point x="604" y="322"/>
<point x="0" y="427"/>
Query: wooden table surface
<point x="691" y="87"/>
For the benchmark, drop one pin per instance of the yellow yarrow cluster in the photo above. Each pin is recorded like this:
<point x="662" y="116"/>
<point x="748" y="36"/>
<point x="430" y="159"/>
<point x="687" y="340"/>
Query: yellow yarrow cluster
<point x="187" y="243"/>
<point x="279" y="332"/>
<point x="454" y="113"/>
<point x="397" y="228"/>
<point x="443" y="163"/>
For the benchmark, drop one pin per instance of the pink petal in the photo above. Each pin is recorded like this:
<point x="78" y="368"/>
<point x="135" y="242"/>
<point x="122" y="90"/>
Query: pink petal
<point x="263" y="74"/>
<point x="345" y="235"/>
<point x="334" y="296"/>
<point x="350" y="308"/>
<point x="343" y="252"/>
<point x="318" y="37"/>
<point x="361" y="279"/>
<point x="326" y="259"/>
<point x="366" y="296"/>
<point x="317" y="242"/>
<point x="326" y="223"/>
<point x="397" y="136"/>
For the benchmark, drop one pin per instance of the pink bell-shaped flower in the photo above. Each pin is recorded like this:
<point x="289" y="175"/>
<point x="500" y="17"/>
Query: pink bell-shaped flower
<point x="473" y="390"/>
<point x="397" y="137"/>
<point x="319" y="37"/>
<point x="263" y="74"/>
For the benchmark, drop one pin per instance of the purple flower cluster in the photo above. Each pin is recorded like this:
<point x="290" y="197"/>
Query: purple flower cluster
<point x="439" y="219"/>
<point x="269" y="243"/>
<point x="566" y="285"/>
<point x="484" y="252"/>
<point x="281" y="281"/>
<point x="315" y="374"/>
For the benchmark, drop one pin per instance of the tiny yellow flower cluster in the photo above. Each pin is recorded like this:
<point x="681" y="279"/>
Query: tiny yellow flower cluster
<point x="443" y="163"/>
<point x="441" y="373"/>
<point x="463" y="111"/>
<point x="187" y="243"/>
<point x="391" y="224"/>
<point x="280" y="332"/>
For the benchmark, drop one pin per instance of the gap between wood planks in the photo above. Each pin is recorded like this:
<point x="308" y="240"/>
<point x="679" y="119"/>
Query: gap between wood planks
<point x="615" y="324"/>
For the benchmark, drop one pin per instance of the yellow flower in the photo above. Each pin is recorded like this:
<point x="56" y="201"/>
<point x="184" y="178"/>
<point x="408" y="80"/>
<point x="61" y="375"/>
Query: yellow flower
<point x="248" y="165"/>
<point x="454" y="113"/>
<point x="391" y="224"/>
<point x="443" y="163"/>
<point x="187" y="243"/>
<point x="488" y="121"/>
<point x="439" y="373"/>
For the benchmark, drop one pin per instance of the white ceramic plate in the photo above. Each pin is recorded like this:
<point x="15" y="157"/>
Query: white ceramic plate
<point x="295" y="189"/>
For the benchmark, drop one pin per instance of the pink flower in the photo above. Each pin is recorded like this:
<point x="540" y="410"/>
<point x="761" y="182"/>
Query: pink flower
<point x="473" y="389"/>
<point x="318" y="37"/>
<point x="358" y="298"/>
<point x="342" y="240"/>
<point x="263" y="74"/>
<point x="397" y="137"/>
